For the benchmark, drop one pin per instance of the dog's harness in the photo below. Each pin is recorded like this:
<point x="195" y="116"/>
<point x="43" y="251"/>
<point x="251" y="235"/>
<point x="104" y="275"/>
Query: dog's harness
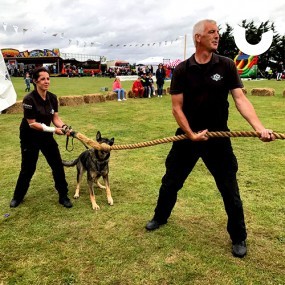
<point x="100" y="163"/>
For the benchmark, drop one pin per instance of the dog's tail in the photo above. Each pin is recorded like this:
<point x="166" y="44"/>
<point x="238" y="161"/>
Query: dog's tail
<point x="70" y="162"/>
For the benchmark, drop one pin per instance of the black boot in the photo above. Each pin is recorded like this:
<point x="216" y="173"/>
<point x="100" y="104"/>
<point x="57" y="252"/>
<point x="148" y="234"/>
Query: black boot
<point x="65" y="201"/>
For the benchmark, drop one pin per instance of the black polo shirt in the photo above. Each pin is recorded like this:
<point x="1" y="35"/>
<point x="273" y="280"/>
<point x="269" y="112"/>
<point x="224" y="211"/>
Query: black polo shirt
<point x="205" y="91"/>
<point x="41" y="110"/>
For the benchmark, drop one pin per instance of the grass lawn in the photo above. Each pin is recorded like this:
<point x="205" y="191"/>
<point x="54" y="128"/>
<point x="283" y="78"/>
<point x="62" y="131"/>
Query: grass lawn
<point x="42" y="242"/>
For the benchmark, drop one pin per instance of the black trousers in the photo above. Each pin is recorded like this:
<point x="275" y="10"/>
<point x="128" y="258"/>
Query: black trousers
<point x="218" y="156"/>
<point x="159" y="88"/>
<point x="30" y="153"/>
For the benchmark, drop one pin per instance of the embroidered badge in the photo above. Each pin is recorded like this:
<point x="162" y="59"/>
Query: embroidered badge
<point x="216" y="77"/>
<point x="26" y="106"/>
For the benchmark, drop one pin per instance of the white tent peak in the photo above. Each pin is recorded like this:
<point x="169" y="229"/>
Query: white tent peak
<point x="154" y="60"/>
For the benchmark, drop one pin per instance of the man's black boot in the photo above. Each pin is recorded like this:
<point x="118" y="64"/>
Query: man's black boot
<point x="239" y="249"/>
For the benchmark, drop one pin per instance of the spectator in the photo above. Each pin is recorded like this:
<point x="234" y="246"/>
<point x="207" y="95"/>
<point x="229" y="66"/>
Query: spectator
<point x="279" y="71"/>
<point x="146" y="86"/>
<point x="160" y="77"/>
<point x="117" y="87"/>
<point x="270" y="74"/>
<point x="137" y="88"/>
<point x="27" y="82"/>
<point x="151" y="84"/>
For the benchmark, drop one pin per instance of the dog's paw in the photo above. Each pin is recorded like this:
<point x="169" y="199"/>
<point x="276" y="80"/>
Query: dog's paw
<point x="76" y="196"/>
<point x="95" y="207"/>
<point x="110" y="201"/>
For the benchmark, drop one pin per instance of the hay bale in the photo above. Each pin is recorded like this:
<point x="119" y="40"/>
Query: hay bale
<point x="71" y="100"/>
<point x="14" y="109"/>
<point x="93" y="98"/>
<point x="263" y="92"/>
<point x="131" y="94"/>
<point x="111" y="95"/>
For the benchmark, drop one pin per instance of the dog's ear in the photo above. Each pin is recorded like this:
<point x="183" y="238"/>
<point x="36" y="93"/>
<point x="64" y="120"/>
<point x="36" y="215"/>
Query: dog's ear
<point x="111" y="141"/>
<point x="98" y="136"/>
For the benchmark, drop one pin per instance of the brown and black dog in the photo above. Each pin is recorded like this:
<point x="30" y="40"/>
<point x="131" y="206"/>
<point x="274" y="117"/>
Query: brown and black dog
<point x="96" y="164"/>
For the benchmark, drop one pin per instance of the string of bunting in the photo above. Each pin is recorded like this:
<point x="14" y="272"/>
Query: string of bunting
<point x="78" y="43"/>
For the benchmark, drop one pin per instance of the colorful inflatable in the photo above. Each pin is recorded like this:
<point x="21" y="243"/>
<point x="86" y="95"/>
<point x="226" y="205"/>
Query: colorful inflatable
<point x="10" y="52"/>
<point x="246" y="65"/>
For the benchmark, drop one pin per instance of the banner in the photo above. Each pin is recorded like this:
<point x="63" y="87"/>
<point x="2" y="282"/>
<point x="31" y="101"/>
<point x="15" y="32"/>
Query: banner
<point x="8" y="94"/>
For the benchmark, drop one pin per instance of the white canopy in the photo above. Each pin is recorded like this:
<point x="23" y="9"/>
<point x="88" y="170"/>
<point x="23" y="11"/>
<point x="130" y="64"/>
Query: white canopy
<point x="151" y="61"/>
<point x="8" y="95"/>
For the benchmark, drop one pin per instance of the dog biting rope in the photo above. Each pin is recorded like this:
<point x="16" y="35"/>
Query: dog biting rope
<point x="224" y="134"/>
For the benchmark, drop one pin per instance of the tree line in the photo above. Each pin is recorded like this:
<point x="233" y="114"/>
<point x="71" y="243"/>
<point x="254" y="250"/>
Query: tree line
<point x="271" y="57"/>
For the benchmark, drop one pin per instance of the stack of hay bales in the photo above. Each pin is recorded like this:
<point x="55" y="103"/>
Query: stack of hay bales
<point x="111" y="95"/>
<point x="263" y="92"/>
<point x="75" y="100"/>
<point x="71" y="100"/>
<point x="14" y="109"/>
<point x="131" y="94"/>
<point x="93" y="98"/>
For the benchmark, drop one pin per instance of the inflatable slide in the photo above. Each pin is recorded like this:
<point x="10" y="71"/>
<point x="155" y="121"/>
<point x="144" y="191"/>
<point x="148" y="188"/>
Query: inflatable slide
<point x="246" y="65"/>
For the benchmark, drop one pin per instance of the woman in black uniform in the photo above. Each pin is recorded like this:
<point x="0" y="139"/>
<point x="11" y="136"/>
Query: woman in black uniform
<point x="40" y="109"/>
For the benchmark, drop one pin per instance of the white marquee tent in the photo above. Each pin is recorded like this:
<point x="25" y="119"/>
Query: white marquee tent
<point x="8" y="95"/>
<point x="154" y="61"/>
<point x="151" y="61"/>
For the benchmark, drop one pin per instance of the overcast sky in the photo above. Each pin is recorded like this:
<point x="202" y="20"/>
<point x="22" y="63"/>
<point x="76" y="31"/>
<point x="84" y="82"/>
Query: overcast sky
<point x="126" y="29"/>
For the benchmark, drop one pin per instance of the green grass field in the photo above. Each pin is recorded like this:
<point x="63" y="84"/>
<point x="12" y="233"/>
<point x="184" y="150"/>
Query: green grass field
<point x="42" y="242"/>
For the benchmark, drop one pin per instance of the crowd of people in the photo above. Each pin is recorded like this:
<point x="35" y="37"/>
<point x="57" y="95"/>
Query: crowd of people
<point x="277" y="72"/>
<point x="144" y="86"/>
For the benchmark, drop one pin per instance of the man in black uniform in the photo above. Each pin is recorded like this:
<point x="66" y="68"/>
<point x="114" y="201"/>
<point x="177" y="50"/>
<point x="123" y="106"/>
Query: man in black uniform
<point x="40" y="109"/>
<point x="199" y="89"/>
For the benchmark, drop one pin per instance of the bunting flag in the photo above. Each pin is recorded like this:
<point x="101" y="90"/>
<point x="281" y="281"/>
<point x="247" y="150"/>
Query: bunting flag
<point x="15" y="28"/>
<point x="58" y="34"/>
<point x="8" y="94"/>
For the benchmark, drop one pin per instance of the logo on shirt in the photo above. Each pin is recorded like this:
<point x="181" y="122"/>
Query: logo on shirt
<point x="52" y="111"/>
<point x="216" y="77"/>
<point x="26" y="106"/>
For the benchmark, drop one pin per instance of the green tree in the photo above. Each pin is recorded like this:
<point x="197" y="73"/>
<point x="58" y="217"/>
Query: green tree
<point x="275" y="53"/>
<point x="227" y="46"/>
